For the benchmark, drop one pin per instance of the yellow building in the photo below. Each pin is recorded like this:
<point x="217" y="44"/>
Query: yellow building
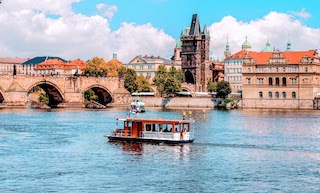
<point x="148" y="65"/>
<point x="281" y="79"/>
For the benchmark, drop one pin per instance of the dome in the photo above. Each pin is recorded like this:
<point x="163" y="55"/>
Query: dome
<point x="246" y="44"/>
<point x="267" y="48"/>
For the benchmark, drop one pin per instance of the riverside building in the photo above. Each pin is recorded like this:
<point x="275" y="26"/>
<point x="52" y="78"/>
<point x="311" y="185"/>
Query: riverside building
<point x="148" y="65"/>
<point x="289" y="79"/>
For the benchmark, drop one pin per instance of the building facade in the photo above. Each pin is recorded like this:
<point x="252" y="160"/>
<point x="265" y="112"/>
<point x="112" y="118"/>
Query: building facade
<point x="195" y="63"/>
<point x="281" y="79"/>
<point x="148" y="65"/>
<point x="233" y="66"/>
<point x="28" y="67"/>
<point x="11" y="66"/>
<point x="59" y="67"/>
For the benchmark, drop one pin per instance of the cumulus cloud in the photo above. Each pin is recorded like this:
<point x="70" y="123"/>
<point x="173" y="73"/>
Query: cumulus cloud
<point x="277" y="26"/>
<point x="303" y="14"/>
<point x="107" y="10"/>
<point x="28" y="29"/>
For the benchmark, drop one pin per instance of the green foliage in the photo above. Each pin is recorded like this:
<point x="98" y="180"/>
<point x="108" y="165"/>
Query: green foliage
<point x="160" y="78"/>
<point x="44" y="98"/>
<point x="168" y="82"/>
<point x="143" y="85"/>
<point x="223" y="89"/>
<point x="90" y="95"/>
<point x="212" y="86"/>
<point x="96" y="67"/>
<point x="172" y="86"/>
<point x="130" y="80"/>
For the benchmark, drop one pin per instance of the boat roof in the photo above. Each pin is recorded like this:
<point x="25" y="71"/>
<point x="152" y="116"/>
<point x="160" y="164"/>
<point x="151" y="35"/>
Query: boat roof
<point x="154" y="120"/>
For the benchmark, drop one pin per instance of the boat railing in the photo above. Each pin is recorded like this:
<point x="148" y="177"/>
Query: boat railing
<point x="121" y="133"/>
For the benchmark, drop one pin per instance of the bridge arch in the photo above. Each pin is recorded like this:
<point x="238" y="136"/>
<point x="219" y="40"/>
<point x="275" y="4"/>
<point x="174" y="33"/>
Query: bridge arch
<point x="103" y="93"/>
<point x="1" y="96"/>
<point x="53" y="91"/>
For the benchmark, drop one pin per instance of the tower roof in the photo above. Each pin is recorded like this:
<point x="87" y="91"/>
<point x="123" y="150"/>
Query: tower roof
<point x="246" y="44"/>
<point x="195" y="25"/>
<point x="179" y="43"/>
<point x="268" y="47"/>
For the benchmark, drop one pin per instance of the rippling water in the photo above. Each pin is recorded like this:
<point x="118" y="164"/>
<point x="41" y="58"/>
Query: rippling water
<point x="234" y="151"/>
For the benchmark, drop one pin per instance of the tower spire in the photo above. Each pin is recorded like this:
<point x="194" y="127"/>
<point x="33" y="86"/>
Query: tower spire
<point x="288" y="44"/>
<point x="227" y="52"/>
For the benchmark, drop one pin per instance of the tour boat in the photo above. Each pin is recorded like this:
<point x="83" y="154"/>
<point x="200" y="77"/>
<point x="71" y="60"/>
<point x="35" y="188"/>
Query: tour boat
<point x="137" y="106"/>
<point x="153" y="130"/>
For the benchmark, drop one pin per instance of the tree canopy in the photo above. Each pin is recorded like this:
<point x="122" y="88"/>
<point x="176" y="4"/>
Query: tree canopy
<point x="143" y="85"/>
<point x="168" y="82"/>
<point x="98" y="67"/>
<point x="223" y="89"/>
<point x="130" y="80"/>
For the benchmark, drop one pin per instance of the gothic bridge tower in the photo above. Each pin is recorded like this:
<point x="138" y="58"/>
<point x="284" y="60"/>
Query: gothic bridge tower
<point x="195" y="55"/>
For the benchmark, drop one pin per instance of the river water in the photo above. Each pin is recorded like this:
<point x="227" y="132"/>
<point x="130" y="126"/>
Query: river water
<point x="234" y="151"/>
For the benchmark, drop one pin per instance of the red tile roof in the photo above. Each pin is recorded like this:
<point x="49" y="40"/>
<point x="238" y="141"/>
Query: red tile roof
<point x="293" y="57"/>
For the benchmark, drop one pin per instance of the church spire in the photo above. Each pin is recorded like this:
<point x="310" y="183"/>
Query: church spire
<point x="288" y="44"/>
<point x="227" y="52"/>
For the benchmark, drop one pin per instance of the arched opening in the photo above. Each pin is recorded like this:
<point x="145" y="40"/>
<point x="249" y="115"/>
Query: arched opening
<point x="189" y="77"/>
<point x="1" y="98"/>
<point x="284" y="81"/>
<point x="270" y="81"/>
<point x="277" y="81"/>
<point x="44" y="93"/>
<point x="98" y="94"/>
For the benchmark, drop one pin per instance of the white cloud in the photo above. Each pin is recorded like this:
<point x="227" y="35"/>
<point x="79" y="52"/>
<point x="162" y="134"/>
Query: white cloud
<point x="276" y="25"/>
<point x="107" y="10"/>
<point x="28" y="30"/>
<point x="303" y="14"/>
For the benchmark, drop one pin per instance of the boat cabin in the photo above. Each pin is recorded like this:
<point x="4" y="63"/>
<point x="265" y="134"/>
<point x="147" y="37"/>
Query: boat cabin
<point x="155" y="130"/>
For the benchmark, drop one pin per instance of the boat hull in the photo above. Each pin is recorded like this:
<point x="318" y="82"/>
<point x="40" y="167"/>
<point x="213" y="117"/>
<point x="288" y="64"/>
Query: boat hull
<point x="148" y="140"/>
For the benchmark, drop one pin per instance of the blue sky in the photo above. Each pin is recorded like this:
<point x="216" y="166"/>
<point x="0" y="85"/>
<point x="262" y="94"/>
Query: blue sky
<point x="83" y="29"/>
<point x="175" y="15"/>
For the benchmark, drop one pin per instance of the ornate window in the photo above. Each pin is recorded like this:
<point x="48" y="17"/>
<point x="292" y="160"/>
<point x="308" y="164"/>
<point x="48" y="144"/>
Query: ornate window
<point x="294" y="95"/>
<point x="277" y="81"/>
<point x="277" y="95"/>
<point x="260" y="95"/>
<point x="270" y="81"/>
<point x="284" y="95"/>
<point x="284" y="81"/>
<point x="294" y="81"/>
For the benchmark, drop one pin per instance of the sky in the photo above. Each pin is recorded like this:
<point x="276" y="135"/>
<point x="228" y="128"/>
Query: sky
<point x="83" y="29"/>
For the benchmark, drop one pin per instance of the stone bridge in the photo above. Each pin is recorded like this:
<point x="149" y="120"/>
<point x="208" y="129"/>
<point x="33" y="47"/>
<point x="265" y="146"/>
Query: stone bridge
<point x="62" y="91"/>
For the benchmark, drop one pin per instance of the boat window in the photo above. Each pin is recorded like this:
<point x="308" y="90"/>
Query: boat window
<point x="169" y="128"/>
<point x="186" y="127"/>
<point x="148" y="127"/>
<point x="177" y="129"/>
<point x="129" y="125"/>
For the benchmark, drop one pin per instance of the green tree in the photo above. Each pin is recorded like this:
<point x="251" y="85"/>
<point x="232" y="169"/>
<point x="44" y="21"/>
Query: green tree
<point x="223" y="89"/>
<point x="212" y="86"/>
<point x="173" y="81"/>
<point x="130" y="80"/>
<point x="160" y="78"/>
<point x="90" y="95"/>
<point x="172" y="86"/>
<point x="143" y="85"/>
<point x="96" y="67"/>
<point x="44" y="98"/>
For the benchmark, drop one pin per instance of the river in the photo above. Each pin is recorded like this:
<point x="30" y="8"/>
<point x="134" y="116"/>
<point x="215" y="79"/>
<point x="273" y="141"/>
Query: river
<point x="234" y="151"/>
